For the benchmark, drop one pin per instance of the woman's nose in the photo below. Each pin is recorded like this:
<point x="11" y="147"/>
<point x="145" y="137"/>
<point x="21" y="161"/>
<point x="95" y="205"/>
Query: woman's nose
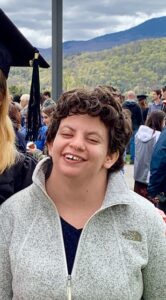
<point x="77" y="144"/>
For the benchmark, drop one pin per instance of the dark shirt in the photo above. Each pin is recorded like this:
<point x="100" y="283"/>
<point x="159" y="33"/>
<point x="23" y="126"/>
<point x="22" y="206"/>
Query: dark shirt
<point x="71" y="237"/>
<point x="136" y="113"/>
<point x="144" y="114"/>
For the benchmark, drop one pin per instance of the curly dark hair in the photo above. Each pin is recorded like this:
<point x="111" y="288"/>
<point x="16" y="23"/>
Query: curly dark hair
<point x="100" y="102"/>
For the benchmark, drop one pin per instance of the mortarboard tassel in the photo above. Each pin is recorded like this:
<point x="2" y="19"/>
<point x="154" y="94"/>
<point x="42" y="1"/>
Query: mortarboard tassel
<point x="34" y="117"/>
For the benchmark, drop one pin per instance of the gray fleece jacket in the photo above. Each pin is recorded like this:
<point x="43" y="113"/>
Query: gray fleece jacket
<point x="121" y="253"/>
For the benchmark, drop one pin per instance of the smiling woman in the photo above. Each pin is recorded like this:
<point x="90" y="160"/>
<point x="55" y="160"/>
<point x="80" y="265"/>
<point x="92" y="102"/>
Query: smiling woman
<point x="83" y="233"/>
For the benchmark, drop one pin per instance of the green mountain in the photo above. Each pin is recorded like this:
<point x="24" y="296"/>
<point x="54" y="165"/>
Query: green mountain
<point x="150" y="29"/>
<point x="153" y="28"/>
<point x="137" y="65"/>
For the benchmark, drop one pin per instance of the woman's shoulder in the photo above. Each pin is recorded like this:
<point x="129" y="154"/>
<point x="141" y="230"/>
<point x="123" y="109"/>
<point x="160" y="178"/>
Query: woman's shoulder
<point x="18" y="209"/>
<point x="146" y="212"/>
<point x="131" y="203"/>
<point x="16" y="201"/>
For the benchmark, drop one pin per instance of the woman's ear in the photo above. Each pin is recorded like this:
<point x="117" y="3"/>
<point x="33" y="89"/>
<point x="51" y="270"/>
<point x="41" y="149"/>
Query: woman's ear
<point x="111" y="160"/>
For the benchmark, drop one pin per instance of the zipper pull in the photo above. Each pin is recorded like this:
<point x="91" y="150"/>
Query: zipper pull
<point x="69" y="287"/>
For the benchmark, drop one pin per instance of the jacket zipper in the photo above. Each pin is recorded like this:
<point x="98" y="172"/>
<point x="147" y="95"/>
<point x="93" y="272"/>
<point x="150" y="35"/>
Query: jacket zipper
<point x="69" y="278"/>
<point x="69" y="292"/>
<point x="76" y="255"/>
<point x="68" y="285"/>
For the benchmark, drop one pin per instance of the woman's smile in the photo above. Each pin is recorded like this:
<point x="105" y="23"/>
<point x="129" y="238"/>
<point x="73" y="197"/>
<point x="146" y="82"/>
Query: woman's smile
<point x="73" y="157"/>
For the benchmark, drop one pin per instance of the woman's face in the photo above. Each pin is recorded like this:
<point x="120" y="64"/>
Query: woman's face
<point x="46" y="119"/>
<point x="80" y="148"/>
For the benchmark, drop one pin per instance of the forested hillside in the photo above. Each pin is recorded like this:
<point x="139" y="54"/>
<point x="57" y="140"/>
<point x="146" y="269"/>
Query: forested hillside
<point x="138" y="65"/>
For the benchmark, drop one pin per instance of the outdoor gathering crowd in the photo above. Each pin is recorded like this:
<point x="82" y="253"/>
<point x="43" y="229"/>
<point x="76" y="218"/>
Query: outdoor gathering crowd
<point x="78" y="231"/>
<point x="70" y="227"/>
<point x="147" y="144"/>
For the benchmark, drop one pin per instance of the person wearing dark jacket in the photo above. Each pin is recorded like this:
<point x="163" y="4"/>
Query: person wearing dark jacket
<point x="15" y="168"/>
<point x="145" y="140"/>
<point x="157" y="182"/>
<point x="17" y="177"/>
<point x="15" y="117"/>
<point x="143" y="105"/>
<point x="136" y="118"/>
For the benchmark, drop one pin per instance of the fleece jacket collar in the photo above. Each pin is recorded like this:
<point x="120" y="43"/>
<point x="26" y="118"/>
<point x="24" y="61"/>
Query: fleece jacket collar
<point x="116" y="182"/>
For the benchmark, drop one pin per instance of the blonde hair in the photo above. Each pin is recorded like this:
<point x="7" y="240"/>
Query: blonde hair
<point x="7" y="135"/>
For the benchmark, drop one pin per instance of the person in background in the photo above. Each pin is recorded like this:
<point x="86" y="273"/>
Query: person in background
<point x="163" y="98"/>
<point x="10" y="96"/>
<point x="78" y="232"/>
<point x="142" y="102"/>
<point x="15" y="116"/>
<point x="16" y="168"/>
<point x="33" y="148"/>
<point x="145" y="139"/>
<point x="47" y="101"/>
<point x="24" y="101"/>
<point x="157" y="103"/>
<point x="39" y="143"/>
<point x="137" y="120"/>
<point x="157" y="181"/>
<point x="163" y="93"/>
<point x="16" y="98"/>
<point x="41" y="138"/>
<point x="46" y="114"/>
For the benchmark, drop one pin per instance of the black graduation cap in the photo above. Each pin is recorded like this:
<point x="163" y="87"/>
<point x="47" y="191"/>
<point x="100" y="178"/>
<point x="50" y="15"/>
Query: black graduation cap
<point x="16" y="50"/>
<point x="141" y="97"/>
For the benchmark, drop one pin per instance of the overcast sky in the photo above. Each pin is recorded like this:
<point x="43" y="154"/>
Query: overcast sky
<point x="82" y="19"/>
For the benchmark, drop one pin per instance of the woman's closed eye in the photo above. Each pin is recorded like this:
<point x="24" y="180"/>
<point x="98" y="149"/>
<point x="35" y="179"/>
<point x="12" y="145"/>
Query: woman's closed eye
<point x="93" y="140"/>
<point x="66" y="134"/>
